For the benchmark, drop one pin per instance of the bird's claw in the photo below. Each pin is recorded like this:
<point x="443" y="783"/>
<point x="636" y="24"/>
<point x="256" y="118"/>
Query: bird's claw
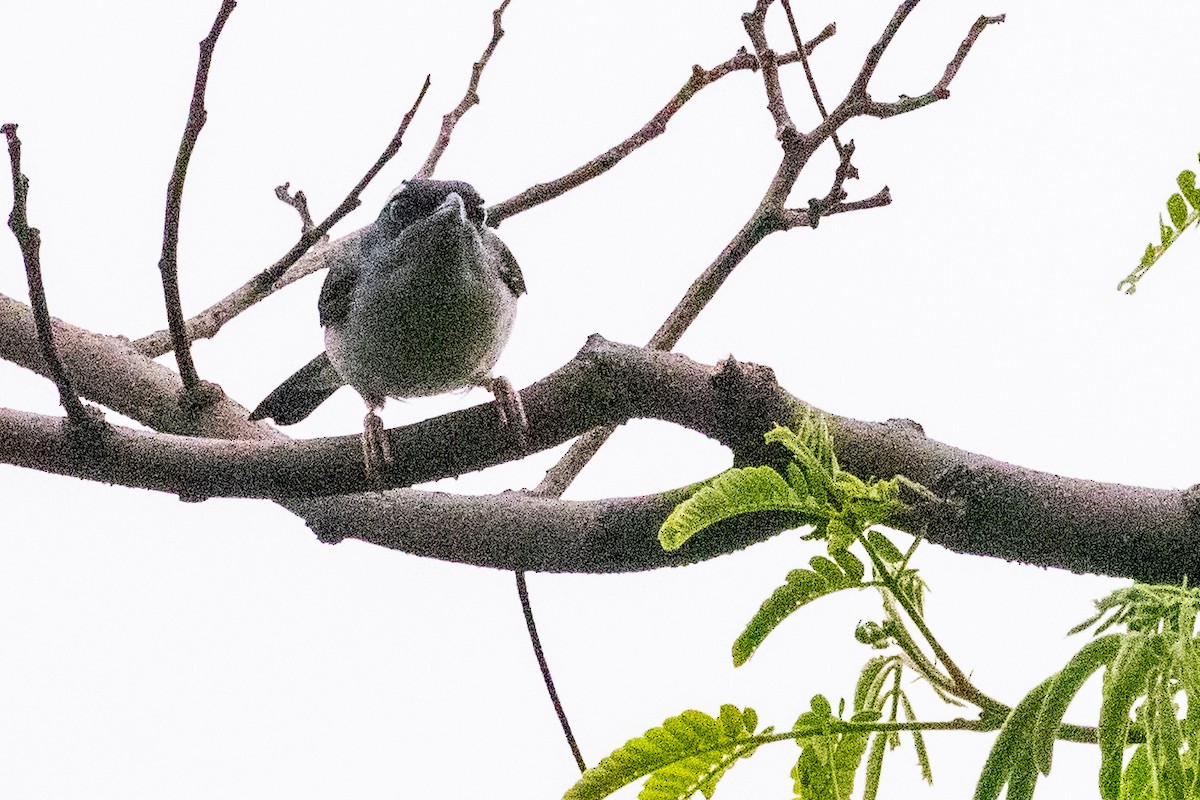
<point x="377" y="449"/>
<point x="510" y="410"/>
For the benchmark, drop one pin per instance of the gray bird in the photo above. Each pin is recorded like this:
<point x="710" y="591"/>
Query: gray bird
<point x="426" y="309"/>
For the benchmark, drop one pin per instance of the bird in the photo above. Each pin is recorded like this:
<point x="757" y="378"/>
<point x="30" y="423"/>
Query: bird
<point x="425" y="309"/>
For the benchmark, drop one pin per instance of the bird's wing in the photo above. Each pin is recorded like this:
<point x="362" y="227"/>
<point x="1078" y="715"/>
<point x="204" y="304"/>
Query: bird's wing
<point x="333" y="306"/>
<point x="506" y="263"/>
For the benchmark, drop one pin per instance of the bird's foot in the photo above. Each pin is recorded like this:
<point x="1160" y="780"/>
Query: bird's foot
<point x="377" y="450"/>
<point x="511" y="410"/>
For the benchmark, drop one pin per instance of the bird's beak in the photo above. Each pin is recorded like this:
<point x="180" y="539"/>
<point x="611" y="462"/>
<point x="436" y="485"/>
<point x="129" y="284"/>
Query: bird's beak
<point x="453" y="204"/>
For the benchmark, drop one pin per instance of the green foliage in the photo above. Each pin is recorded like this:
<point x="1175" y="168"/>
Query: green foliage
<point x="802" y="586"/>
<point x="1011" y="761"/>
<point x="733" y="492"/>
<point x="879" y="687"/>
<point x="1153" y="661"/>
<point x="687" y="754"/>
<point x="840" y="507"/>
<point x="829" y="754"/>
<point x="1062" y="690"/>
<point x="1180" y="216"/>
<point x="837" y="504"/>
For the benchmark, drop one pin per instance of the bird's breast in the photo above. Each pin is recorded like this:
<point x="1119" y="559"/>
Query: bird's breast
<point x="411" y="335"/>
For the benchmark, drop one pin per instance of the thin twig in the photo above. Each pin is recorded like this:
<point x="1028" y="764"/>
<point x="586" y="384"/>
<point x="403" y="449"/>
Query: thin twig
<point x="859" y="87"/>
<point x="700" y="78"/>
<point x="299" y="202"/>
<point x="30" y="241"/>
<point x="943" y="86"/>
<point x="812" y="83"/>
<point x="469" y="99"/>
<point x="208" y="322"/>
<point x="803" y="217"/>
<point x="770" y="216"/>
<point x="535" y="640"/>
<point x="168" y="264"/>
<point x="755" y="25"/>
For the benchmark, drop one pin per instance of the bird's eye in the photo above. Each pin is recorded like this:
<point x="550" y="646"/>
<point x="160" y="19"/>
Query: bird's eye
<point x="477" y="214"/>
<point x="401" y="211"/>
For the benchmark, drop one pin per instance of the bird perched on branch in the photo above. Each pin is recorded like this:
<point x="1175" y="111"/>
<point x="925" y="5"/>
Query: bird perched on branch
<point x="426" y="309"/>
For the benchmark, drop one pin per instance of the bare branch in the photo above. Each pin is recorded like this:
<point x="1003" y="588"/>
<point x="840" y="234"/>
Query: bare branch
<point x="207" y="323"/>
<point x="30" y="241"/>
<point x="769" y="217"/>
<point x="859" y="87"/>
<point x="755" y="24"/>
<point x="652" y="384"/>
<point x="299" y="202"/>
<point x="943" y="86"/>
<point x="812" y="83"/>
<point x="802" y="218"/>
<point x="168" y="264"/>
<point x="822" y="207"/>
<point x="543" y="192"/>
<point x="470" y="98"/>
<point x="940" y="90"/>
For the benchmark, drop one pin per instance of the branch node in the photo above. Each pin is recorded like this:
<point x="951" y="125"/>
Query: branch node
<point x="199" y="396"/>
<point x="299" y="202"/>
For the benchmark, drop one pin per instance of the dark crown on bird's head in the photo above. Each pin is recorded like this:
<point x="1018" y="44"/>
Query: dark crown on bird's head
<point x="420" y="197"/>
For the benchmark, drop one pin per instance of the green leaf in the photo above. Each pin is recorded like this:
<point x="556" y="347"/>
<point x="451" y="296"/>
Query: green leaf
<point x="1164" y="740"/>
<point x="1063" y="688"/>
<point x="1011" y="758"/>
<point x="918" y="742"/>
<point x="868" y="692"/>
<point x="1136" y="782"/>
<point x="883" y="547"/>
<point x="1125" y="679"/>
<point x="829" y="758"/>
<point x="829" y="570"/>
<point x="875" y="766"/>
<point x="1188" y="666"/>
<point x="1181" y="217"/>
<point x="1187" y="185"/>
<point x="1166" y="233"/>
<point x="688" y="753"/>
<point x="802" y="587"/>
<point x="1149" y="256"/>
<point x="1177" y="210"/>
<point x="850" y="564"/>
<point x="735" y="491"/>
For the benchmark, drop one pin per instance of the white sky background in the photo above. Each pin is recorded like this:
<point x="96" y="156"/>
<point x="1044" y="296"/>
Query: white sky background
<point x="153" y="649"/>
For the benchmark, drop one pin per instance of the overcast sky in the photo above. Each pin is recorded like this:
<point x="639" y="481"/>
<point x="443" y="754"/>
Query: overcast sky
<point x="156" y="649"/>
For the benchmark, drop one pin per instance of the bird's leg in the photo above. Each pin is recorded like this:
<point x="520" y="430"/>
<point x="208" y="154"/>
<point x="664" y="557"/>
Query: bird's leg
<point x="510" y="408"/>
<point x="377" y="450"/>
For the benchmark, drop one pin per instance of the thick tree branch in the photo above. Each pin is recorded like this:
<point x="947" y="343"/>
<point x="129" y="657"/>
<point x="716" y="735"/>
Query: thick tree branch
<point x="990" y="507"/>
<point x="605" y="383"/>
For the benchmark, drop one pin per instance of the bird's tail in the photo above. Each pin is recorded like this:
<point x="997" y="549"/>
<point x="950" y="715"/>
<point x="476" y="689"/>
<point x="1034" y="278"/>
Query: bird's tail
<point x="299" y="395"/>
